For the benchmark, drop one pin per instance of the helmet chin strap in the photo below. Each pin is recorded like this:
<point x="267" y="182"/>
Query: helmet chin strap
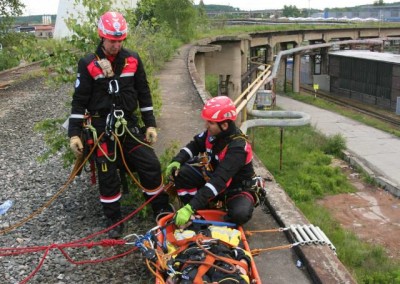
<point x="220" y="125"/>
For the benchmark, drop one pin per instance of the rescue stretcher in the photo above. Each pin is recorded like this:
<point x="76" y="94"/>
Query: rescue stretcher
<point x="217" y="253"/>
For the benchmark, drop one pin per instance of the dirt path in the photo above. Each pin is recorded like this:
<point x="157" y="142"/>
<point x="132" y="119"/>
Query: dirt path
<point x="371" y="213"/>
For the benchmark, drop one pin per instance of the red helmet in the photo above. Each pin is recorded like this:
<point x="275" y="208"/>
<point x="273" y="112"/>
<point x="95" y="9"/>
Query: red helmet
<point x="219" y="109"/>
<point x="112" y="25"/>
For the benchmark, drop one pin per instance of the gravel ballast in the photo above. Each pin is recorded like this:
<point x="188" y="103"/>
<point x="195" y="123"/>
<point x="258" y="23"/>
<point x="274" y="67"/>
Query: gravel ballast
<point x="75" y="214"/>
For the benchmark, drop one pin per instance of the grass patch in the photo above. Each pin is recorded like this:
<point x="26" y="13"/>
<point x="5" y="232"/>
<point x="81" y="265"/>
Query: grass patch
<point x="212" y="84"/>
<point x="306" y="175"/>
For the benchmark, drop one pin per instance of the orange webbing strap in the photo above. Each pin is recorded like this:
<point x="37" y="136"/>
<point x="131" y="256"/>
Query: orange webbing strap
<point x="183" y="244"/>
<point x="203" y="268"/>
<point x="231" y="261"/>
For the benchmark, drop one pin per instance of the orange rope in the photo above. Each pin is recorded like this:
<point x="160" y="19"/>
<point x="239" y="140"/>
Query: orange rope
<point x="130" y="173"/>
<point x="250" y="233"/>
<point x="154" y="272"/>
<point x="258" y="251"/>
<point x="51" y="200"/>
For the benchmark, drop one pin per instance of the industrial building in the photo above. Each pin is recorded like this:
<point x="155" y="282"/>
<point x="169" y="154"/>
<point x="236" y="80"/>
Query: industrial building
<point x="370" y="77"/>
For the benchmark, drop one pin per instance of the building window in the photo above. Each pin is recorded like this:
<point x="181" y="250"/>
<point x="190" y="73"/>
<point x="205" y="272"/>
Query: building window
<point x="317" y="64"/>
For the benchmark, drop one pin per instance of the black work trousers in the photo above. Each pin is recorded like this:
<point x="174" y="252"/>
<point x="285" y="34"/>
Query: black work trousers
<point x="238" y="203"/>
<point x="139" y="158"/>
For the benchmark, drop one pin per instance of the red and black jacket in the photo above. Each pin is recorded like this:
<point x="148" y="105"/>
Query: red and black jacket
<point x="91" y="90"/>
<point x="231" y="158"/>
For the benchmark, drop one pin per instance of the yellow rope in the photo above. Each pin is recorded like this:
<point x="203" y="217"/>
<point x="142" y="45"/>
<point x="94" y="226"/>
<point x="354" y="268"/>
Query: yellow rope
<point x="76" y="170"/>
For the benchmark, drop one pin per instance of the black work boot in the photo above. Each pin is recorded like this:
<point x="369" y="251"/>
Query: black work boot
<point x="116" y="232"/>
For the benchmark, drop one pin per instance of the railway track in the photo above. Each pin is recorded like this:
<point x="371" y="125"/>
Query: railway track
<point x="357" y="106"/>
<point x="11" y="76"/>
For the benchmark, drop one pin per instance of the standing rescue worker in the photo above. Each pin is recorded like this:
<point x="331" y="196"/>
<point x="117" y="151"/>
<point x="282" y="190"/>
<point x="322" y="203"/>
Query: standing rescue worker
<point x="111" y="83"/>
<point x="228" y="174"/>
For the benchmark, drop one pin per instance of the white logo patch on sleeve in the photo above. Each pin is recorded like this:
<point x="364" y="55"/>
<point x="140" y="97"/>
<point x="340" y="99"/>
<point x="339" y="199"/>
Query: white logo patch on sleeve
<point x="77" y="83"/>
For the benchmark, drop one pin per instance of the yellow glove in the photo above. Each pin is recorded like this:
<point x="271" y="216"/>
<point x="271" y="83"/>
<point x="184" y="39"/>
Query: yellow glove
<point x="173" y="168"/>
<point x="182" y="216"/>
<point x="105" y="65"/>
<point x="76" y="146"/>
<point x="151" y="135"/>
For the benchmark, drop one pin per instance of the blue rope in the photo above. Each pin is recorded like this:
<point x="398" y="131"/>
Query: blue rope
<point x="216" y="223"/>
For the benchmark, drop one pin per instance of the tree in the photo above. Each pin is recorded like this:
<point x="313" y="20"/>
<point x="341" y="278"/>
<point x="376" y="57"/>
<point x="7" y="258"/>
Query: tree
<point x="202" y="9"/>
<point x="179" y="15"/>
<point x="17" y="47"/>
<point x="145" y="11"/>
<point x="9" y="9"/>
<point x="379" y="3"/>
<point x="291" y="11"/>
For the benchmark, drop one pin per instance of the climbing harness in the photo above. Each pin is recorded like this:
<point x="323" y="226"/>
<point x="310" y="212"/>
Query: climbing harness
<point x="202" y="164"/>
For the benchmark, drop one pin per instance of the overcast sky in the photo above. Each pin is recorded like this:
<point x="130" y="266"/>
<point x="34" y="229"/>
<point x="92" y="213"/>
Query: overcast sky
<point x="40" y="7"/>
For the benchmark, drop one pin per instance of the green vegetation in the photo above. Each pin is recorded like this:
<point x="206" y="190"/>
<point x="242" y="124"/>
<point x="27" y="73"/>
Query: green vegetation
<point x="307" y="176"/>
<point x="212" y="84"/>
<point x="308" y="153"/>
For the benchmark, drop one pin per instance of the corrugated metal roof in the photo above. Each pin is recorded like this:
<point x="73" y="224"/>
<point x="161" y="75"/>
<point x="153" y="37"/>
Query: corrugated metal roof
<point x="369" y="55"/>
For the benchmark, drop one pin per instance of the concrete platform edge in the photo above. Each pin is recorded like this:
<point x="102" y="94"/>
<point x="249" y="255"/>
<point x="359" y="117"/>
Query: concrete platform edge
<point x="380" y="180"/>
<point x="321" y="262"/>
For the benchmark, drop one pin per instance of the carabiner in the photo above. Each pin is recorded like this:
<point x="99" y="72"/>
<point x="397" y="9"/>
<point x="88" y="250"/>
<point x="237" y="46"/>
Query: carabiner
<point x="119" y="113"/>
<point x="113" y="87"/>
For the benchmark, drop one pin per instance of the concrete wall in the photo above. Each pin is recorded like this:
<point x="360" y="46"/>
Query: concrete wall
<point x="227" y="62"/>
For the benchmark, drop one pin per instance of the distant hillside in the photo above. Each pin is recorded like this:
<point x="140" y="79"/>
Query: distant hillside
<point x="219" y="8"/>
<point x="37" y="19"/>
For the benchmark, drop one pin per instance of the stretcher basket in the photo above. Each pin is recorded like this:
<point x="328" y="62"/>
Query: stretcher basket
<point x="216" y="217"/>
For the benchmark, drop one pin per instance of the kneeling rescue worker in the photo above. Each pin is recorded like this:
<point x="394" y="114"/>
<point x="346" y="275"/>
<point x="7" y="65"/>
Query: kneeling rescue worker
<point x="228" y="174"/>
<point x="111" y="83"/>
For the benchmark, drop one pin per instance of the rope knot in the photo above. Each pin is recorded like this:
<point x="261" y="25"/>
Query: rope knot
<point x="90" y="245"/>
<point x="112" y="242"/>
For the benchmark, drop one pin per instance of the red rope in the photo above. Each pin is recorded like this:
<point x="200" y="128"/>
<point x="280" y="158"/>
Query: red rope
<point x="77" y="243"/>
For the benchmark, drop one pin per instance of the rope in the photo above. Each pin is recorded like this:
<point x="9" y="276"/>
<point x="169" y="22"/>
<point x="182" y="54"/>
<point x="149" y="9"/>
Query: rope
<point x="75" y="244"/>
<point x="255" y="252"/>
<point x="61" y="247"/>
<point x="76" y="170"/>
<point x="250" y="233"/>
<point x="154" y="272"/>
<point x="81" y="242"/>
<point x="150" y="191"/>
